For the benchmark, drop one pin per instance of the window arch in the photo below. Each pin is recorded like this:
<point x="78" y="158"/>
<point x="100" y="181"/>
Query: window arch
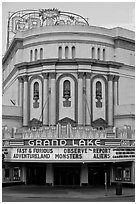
<point x="66" y="93"/>
<point x="36" y="91"/>
<point x="98" y="53"/>
<point x="66" y="89"/>
<point x="98" y="94"/>
<point x="60" y="52"/>
<point x="66" y="52"/>
<point x="104" y="54"/>
<point x="31" y="55"/>
<point x="41" y="53"/>
<point x="36" y="54"/>
<point x="93" y="53"/>
<point x="73" y="52"/>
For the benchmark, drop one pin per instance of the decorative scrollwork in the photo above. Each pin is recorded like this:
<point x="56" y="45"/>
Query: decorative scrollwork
<point x="29" y="19"/>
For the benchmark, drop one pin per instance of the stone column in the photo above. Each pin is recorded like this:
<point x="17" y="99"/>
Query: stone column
<point x="80" y="98"/>
<point x="110" y="100"/>
<point x="23" y="174"/>
<point x="49" y="174"/>
<point x="133" y="172"/>
<point x="84" y="175"/>
<point x="53" y="99"/>
<point x="95" y="52"/>
<point x="20" y="91"/>
<point x="88" y="99"/>
<point x="101" y="53"/>
<point x="45" y="99"/>
<point x="25" y="101"/>
<point x="116" y="90"/>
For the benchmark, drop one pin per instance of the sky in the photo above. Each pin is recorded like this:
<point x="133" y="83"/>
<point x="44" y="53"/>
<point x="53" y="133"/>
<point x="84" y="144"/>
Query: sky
<point x="104" y="14"/>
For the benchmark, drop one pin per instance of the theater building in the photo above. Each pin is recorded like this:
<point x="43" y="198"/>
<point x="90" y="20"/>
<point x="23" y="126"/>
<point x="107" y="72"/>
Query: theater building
<point x="68" y="101"/>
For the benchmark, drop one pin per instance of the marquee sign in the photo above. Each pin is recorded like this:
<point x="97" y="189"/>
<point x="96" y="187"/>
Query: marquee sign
<point x="68" y="142"/>
<point x="69" y="154"/>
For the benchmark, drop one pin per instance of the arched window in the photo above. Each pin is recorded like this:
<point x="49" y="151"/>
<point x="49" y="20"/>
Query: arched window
<point x="60" y="52"/>
<point x="41" y="53"/>
<point x="66" y="93"/>
<point x="73" y="52"/>
<point x="36" y="54"/>
<point x="36" y="91"/>
<point x="98" y="53"/>
<point x="98" y="94"/>
<point x="104" y="54"/>
<point x="31" y="55"/>
<point x="66" y="89"/>
<point x="66" y="52"/>
<point x="36" y="95"/>
<point x="93" y="53"/>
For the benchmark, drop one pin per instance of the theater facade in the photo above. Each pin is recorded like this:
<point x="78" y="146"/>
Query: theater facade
<point x="68" y="110"/>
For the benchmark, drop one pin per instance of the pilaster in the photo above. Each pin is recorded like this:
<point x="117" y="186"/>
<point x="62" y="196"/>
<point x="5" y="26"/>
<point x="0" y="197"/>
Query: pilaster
<point x="88" y="98"/>
<point x="25" y="101"/>
<point x="110" y="100"/>
<point x="80" y="98"/>
<point x="116" y="99"/>
<point x="20" y="79"/>
<point x="45" y="99"/>
<point x="53" y="99"/>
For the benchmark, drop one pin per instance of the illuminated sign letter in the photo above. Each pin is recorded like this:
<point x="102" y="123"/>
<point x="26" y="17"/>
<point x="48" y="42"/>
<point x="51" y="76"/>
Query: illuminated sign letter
<point x="73" y="143"/>
<point x="63" y="142"/>
<point x="97" y="142"/>
<point x="31" y="142"/>
<point x="38" y="142"/>
<point x="54" y="141"/>
<point x="89" y="143"/>
<point x="82" y="142"/>
<point x="46" y="143"/>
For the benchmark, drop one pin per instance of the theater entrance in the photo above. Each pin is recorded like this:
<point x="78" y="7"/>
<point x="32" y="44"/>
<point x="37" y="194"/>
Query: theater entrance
<point x="36" y="175"/>
<point x="67" y="175"/>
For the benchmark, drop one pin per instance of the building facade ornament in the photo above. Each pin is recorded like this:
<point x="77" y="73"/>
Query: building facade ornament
<point x="110" y="77"/>
<point x="25" y="78"/>
<point x="45" y="75"/>
<point x="116" y="78"/>
<point x="80" y="75"/>
<point x="88" y="75"/>
<point x="52" y="75"/>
